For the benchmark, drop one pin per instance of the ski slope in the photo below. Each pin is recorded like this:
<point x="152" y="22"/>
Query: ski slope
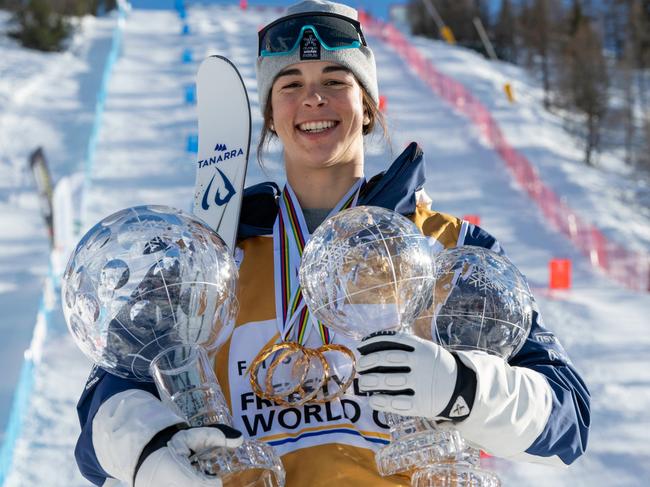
<point x="47" y="100"/>
<point x="141" y="158"/>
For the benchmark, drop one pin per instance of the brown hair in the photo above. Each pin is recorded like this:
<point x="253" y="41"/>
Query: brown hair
<point x="369" y="107"/>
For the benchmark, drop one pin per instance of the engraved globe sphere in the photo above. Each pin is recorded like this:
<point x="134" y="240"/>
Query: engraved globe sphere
<point x="481" y="301"/>
<point x="366" y="269"/>
<point x="145" y="279"/>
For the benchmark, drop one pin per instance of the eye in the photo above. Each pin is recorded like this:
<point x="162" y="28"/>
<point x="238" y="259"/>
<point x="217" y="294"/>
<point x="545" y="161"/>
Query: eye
<point x="333" y="82"/>
<point x="292" y="84"/>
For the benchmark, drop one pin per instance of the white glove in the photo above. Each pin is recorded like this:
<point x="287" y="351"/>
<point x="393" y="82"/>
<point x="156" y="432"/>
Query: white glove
<point x="413" y="377"/>
<point x="169" y="465"/>
<point x="136" y="436"/>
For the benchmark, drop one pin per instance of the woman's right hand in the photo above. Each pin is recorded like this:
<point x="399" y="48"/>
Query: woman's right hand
<point x="141" y="442"/>
<point x="169" y="466"/>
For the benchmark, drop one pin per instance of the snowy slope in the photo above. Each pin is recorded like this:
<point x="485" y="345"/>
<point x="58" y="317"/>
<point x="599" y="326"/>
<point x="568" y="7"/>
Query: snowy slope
<point x="141" y="158"/>
<point x="610" y="196"/>
<point x="47" y="100"/>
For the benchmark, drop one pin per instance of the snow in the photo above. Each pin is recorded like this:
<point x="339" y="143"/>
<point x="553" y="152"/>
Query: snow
<point x="610" y="195"/>
<point x="49" y="100"/>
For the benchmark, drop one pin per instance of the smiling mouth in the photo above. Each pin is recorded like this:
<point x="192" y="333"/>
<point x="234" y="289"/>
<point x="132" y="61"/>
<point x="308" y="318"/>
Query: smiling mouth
<point x="316" y="127"/>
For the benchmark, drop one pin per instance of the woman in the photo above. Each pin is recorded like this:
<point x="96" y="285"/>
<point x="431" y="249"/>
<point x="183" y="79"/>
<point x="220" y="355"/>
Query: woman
<point x="318" y="91"/>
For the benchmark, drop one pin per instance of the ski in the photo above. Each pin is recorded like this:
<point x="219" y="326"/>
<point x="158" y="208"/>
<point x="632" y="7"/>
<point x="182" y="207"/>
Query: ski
<point x="224" y="117"/>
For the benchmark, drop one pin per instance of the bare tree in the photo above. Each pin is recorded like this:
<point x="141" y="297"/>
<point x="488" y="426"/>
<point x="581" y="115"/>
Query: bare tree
<point x="540" y="21"/>
<point x="420" y="21"/>
<point x="456" y="14"/>
<point x="506" y="33"/>
<point x="620" y="123"/>
<point x="10" y="5"/>
<point x="640" y="34"/>
<point x="615" y="19"/>
<point x="626" y="69"/>
<point x="639" y="39"/>
<point x="630" y="19"/>
<point x="574" y="18"/>
<point x="585" y="81"/>
<point x="644" y="155"/>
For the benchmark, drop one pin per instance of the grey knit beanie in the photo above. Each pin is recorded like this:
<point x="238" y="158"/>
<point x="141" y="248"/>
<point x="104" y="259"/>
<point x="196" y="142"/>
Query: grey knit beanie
<point x="360" y="61"/>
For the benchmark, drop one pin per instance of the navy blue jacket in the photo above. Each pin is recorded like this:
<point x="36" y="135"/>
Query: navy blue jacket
<point x="566" y="432"/>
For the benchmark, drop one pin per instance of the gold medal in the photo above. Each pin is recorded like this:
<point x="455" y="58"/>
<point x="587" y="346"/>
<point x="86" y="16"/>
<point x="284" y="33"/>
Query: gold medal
<point x="297" y="375"/>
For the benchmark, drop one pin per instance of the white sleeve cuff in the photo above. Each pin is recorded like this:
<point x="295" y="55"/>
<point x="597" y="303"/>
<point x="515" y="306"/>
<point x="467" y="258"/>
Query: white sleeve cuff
<point x="511" y="407"/>
<point x="123" y="426"/>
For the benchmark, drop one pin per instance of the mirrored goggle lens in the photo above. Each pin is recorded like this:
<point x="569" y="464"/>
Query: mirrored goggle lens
<point x="332" y="32"/>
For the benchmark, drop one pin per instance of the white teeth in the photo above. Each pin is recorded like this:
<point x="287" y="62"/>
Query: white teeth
<point x="316" y="126"/>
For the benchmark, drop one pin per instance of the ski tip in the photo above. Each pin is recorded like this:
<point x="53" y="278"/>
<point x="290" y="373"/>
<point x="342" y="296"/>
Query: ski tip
<point x="222" y="58"/>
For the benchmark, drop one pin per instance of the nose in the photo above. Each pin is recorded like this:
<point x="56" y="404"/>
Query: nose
<point x="314" y="99"/>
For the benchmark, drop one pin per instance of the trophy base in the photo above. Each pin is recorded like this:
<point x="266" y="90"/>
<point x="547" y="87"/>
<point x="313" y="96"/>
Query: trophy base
<point x="250" y="478"/>
<point x="185" y="379"/>
<point x="454" y="475"/>
<point x="411" y="451"/>
<point x="254" y="464"/>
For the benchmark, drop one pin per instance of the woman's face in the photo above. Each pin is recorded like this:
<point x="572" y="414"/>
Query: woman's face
<point x="318" y="115"/>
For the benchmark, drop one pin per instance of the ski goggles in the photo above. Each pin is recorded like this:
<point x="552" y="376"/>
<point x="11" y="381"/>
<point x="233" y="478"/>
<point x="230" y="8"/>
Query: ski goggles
<point x="334" y="32"/>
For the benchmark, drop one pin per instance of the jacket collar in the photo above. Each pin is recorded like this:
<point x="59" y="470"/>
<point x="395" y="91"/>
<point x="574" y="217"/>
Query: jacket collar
<point x="393" y="189"/>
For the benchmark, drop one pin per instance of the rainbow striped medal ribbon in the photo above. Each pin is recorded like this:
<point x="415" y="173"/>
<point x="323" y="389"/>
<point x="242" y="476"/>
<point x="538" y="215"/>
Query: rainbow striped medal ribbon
<point x="290" y="235"/>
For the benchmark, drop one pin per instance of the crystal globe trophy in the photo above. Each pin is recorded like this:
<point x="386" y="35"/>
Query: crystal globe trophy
<point x="148" y="292"/>
<point x="481" y="302"/>
<point x="367" y="270"/>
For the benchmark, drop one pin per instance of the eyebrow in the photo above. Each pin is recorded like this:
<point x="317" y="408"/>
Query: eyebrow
<point x="326" y="69"/>
<point x="289" y="72"/>
<point x="331" y="69"/>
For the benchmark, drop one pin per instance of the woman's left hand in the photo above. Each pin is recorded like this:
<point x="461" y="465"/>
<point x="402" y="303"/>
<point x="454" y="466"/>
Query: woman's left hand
<point x="410" y="376"/>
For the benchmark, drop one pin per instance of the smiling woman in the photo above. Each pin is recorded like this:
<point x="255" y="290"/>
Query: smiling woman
<point x="318" y="92"/>
<point x="371" y="114"/>
<point x="318" y="114"/>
